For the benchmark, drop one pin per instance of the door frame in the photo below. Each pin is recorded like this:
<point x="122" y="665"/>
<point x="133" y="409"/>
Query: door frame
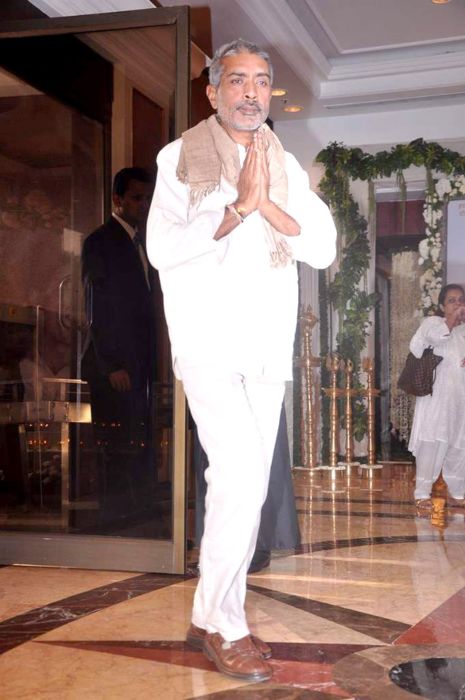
<point x="96" y="551"/>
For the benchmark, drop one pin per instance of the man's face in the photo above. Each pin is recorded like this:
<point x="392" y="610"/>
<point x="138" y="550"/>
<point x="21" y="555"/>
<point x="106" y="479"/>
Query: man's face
<point x="134" y="205"/>
<point x="242" y="99"/>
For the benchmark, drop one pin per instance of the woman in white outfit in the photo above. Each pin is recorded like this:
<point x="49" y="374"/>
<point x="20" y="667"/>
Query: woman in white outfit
<point x="438" y="432"/>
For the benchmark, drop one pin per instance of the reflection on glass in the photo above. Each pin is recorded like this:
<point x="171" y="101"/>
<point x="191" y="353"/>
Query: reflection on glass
<point x="118" y="361"/>
<point x="58" y="471"/>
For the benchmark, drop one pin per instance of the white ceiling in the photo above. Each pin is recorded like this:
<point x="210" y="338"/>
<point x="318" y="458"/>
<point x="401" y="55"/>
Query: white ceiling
<point x="337" y="56"/>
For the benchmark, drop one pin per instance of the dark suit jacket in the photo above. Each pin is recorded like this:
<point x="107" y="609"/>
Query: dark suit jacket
<point x="119" y="306"/>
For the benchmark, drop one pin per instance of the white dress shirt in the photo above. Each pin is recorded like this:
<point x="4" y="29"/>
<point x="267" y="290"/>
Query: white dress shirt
<point x="225" y="306"/>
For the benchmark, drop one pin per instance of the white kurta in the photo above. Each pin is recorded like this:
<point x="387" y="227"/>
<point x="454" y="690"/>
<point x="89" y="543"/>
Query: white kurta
<point x="231" y="319"/>
<point x="441" y="416"/>
<point x="225" y="306"/>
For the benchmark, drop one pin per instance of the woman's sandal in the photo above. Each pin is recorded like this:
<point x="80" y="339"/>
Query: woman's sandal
<point x="423" y="506"/>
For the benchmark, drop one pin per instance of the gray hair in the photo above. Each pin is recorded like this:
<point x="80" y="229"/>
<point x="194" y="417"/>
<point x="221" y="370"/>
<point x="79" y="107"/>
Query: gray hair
<point x="232" y="49"/>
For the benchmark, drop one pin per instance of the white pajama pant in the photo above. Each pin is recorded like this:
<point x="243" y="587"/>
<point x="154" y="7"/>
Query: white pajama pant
<point x="431" y="457"/>
<point x="237" y="420"/>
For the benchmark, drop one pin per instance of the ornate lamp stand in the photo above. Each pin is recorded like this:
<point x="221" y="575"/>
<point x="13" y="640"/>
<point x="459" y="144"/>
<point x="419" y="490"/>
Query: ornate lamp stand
<point x="371" y="393"/>
<point x="333" y="364"/>
<point x="308" y="424"/>
<point x="348" y="394"/>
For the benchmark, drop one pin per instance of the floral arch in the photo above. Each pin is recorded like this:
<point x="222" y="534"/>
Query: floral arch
<point x="346" y="295"/>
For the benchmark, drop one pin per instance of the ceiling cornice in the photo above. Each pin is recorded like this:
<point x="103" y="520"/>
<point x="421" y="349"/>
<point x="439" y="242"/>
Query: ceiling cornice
<point x="394" y="77"/>
<point x="304" y="11"/>
<point x="394" y="101"/>
<point x="390" y="64"/>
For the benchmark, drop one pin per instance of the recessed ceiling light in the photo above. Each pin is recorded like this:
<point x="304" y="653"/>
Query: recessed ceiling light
<point x="440" y="2"/>
<point x="278" y="92"/>
<point x="292" y="108"/>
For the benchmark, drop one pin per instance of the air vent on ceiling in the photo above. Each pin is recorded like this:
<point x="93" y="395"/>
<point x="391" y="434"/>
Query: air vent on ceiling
<point x="395" y="100"/>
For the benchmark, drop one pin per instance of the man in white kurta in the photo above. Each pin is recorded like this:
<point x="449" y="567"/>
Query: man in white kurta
<point x="231" y="305"/>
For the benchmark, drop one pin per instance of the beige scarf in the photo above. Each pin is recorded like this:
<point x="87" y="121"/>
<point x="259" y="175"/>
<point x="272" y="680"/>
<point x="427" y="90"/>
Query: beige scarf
<point x="208" y="152"/>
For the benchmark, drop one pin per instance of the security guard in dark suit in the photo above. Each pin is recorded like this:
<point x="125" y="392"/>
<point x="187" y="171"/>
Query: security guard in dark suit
<point x="118" y="359"/>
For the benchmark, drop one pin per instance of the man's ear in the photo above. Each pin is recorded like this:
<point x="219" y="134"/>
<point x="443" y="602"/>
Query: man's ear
<point x="211" y="94"/>
<point x="116" y="201"/>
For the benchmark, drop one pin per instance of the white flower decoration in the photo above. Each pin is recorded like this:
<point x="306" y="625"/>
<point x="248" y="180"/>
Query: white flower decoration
<point x="430" y="248"/>
<point x="423" y="249"/>
<point x="443" y="187"/>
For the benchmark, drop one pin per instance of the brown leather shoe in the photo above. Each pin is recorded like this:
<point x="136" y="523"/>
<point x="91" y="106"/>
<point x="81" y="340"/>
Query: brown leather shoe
<point x="239" y="659"/>
<point x="262" y="647"/>
<point x="195" y="637"/>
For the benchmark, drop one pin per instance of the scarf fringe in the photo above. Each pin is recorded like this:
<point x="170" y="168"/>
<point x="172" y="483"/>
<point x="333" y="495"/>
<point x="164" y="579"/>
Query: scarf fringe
<point x="198" y="193"/>
<point x="282" y="254"/>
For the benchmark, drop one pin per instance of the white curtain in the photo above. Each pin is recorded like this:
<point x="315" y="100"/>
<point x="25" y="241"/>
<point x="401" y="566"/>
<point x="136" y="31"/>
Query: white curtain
<point x="405" y="297"/>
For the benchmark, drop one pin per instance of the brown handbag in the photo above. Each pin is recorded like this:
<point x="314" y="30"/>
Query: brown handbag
<point x="417" y="377"/>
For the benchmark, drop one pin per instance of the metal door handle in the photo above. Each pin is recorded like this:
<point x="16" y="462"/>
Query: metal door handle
<point x="61" y="318"/>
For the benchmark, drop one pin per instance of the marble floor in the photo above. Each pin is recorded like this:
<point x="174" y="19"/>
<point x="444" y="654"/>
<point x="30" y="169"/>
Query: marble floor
<point x="372" y="605"/>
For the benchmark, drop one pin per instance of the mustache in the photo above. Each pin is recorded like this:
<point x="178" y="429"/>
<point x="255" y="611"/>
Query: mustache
<point x="249" y="105"/>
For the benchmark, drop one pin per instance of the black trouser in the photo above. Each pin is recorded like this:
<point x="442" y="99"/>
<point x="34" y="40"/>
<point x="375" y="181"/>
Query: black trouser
<point x="121" y="425"/>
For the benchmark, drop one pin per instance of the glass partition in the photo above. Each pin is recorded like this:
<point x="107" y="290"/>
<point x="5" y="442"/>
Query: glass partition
<point x="82" y="483"/>
<point x="44" y="408"/>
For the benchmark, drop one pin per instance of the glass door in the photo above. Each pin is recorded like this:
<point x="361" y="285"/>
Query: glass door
<point x="82" y="482"/>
